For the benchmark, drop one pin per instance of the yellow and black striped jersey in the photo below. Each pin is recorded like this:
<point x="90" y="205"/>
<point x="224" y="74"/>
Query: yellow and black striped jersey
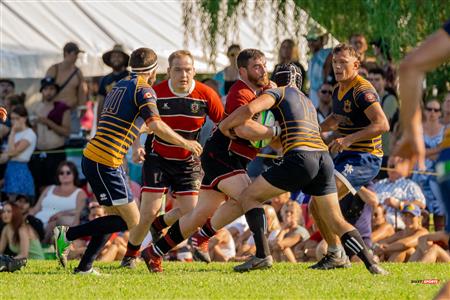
<point x="126" y="107"/>
<point x="351" y="104"/>
<point x="297" y="118"/>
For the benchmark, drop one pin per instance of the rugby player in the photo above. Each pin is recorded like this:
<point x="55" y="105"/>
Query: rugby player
<point x="183" y="103"/>
<point x="129" y="104"/>
<point x="306" y="163"/>
<point x="359" y="120"/>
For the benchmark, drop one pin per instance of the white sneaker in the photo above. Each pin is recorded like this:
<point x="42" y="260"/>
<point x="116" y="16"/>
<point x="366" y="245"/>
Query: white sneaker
<point x="91" y="271"/>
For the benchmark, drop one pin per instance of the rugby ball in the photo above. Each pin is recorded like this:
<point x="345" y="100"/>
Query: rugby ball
<point x="265" y="118"/>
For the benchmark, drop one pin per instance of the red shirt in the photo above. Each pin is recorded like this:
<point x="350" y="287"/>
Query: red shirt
<point x="185" y="114"/>
<point x="240" y="94"/>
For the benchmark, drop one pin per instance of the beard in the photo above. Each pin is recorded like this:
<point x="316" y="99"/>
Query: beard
<point x="260" y="81"/>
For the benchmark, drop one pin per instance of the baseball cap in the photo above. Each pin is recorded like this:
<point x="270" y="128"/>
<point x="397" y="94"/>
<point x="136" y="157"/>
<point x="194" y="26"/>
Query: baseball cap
<point x="72" y="47"/>
<point x="47" y="81"/>
<point x="7" y="80"/>
<point x="412" y="209"/>
<point x="315" y="33"/>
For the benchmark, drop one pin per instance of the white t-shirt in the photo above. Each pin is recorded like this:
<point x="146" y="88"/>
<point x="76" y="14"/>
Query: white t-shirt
<point x="29" y="135"/>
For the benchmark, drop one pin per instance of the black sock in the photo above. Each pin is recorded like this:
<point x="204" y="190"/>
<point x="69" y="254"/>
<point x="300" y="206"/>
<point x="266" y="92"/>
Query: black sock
<point x="99" y="226"/>
<point x="132" y="250"/>
<point x="353" y="243"/>
<point x="207" y="230"/>
<point x="159" y="224"/>
<point x="256" y="220"/>
<point x="93" y="249"/>
<point x="170" y="240"/>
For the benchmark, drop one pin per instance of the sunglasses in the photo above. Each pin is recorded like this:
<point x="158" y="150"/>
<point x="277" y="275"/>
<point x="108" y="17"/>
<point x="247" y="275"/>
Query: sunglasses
<point x="65" y="173"/>
<point x="326" y="92"/>
<point x="430" y="109"/>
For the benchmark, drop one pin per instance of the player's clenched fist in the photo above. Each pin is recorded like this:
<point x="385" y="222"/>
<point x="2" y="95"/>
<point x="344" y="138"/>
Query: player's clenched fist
<point x="3" y="114"/>
<point x="194" y="147"/>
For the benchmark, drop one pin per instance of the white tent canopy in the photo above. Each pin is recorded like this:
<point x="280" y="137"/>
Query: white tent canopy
<point x="33" y="33"/>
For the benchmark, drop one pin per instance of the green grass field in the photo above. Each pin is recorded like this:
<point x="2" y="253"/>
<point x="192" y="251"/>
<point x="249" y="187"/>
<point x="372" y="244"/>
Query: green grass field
<point x="45" y="280"/>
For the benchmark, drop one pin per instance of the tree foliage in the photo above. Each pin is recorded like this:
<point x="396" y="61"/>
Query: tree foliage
<point x="401" y="24"/>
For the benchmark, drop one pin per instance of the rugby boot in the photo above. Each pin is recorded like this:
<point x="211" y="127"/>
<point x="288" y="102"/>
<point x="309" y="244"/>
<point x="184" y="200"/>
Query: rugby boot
<point x="376" y="269"/>
<point x="61" y="244"/>
<point x="331" y="261"/>
<point x="129" y="262"/>
<point x="199" y="245"/>
<point x="152" y="260"/>
<point x="255" y="263"/>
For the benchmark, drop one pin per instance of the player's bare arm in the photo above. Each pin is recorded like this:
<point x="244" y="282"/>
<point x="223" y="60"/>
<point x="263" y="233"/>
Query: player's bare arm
<point x="378" y="125"/>
<point x="331" y="123"/>
<point x="432" y="52"/>
<point x="246" y="112"/>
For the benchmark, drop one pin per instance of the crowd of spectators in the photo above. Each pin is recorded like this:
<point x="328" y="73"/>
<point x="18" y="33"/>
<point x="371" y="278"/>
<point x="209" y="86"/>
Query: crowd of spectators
<point x="401" y="218"/>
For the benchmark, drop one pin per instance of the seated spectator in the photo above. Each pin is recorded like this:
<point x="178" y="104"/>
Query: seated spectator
<point x="395" y="193"/>
<point x="52" y="125"/>
<point x="433" y="134"/>
<point x="19" y="236"/>
<point x="290" y="234"/>
<point x="445" y="120"/>
<point x="60" y="204"/>
<point x="245" y="243"/>
<point x="21" y="144"/>
<point x="25" y="203"/>
<point x="113" y="250"/>
<point x="305" y="251"/>
<point x="221" y="246"/>
<point x="433" y="247"/>
<point x="381" y="229"/>
<point x="237" y="227"/>
<point x="400" y="246"/>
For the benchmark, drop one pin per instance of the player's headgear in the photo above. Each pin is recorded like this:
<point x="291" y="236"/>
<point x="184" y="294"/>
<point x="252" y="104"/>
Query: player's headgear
<point x="287" y="74"/>
<point x="143" y="60"/>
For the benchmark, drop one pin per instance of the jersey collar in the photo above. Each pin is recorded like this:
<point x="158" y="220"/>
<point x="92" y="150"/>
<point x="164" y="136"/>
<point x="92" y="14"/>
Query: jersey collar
<point x="191" y="89"/>
<point x="342" y="93"/>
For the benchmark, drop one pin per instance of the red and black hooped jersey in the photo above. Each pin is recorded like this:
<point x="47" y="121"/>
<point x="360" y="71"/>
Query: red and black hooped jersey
<point x="240" y="94"/>
<point x="185" y="114"/>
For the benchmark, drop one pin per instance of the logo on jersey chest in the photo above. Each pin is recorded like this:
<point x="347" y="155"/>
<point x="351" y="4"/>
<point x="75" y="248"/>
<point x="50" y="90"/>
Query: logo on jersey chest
<point x="165" y="106"/>
<point x="347" y="106"/>
<point x="195" y="108"/>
